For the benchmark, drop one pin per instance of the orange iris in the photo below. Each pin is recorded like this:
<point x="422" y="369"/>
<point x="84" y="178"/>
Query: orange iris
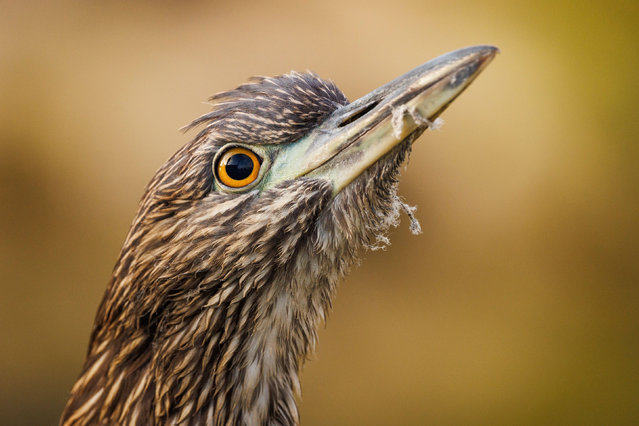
<point x="238" y="167"/>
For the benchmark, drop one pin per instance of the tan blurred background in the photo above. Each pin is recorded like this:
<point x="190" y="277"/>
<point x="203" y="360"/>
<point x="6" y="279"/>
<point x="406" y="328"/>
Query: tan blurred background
<point x="519" y="304"/>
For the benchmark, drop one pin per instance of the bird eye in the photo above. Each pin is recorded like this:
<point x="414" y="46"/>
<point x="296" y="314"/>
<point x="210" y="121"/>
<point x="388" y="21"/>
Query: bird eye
<point x="238" y="167"/>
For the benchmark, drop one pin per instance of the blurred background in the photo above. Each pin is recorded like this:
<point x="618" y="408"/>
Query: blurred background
<point x="519" y="303"/>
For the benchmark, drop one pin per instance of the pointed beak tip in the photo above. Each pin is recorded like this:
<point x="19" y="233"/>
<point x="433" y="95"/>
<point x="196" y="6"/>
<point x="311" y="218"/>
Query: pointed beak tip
<point x="488" y="50"/>
<point x="483" y="53"/>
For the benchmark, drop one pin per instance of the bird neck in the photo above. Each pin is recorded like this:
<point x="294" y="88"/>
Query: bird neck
<point x="226" y="358"/>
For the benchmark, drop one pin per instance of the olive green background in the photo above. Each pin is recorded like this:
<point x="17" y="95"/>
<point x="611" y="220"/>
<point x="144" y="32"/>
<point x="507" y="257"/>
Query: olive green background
<point x="519" y="303"/>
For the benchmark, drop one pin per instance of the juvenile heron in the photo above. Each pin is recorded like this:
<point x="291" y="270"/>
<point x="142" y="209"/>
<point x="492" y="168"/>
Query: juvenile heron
<point x="234" y="254"/>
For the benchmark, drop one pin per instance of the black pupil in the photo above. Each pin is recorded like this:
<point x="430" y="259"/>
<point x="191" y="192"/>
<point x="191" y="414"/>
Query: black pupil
<point x="239" y="166"/>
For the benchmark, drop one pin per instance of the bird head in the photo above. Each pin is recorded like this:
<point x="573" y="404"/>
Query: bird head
<point x="234" y="255"/>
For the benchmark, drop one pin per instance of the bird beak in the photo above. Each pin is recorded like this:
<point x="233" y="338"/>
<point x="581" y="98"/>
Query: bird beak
<point x="356" y="135"/>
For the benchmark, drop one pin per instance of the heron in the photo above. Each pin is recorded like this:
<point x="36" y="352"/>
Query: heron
<point x="235" y="252"/>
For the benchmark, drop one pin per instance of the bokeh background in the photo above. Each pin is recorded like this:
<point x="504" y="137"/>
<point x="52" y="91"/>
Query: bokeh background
<point x="519" y="303"/>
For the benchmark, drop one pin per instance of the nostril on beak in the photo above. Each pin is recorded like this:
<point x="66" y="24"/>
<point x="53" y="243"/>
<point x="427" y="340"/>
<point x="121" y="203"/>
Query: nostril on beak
<point x="359" y="114"/>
